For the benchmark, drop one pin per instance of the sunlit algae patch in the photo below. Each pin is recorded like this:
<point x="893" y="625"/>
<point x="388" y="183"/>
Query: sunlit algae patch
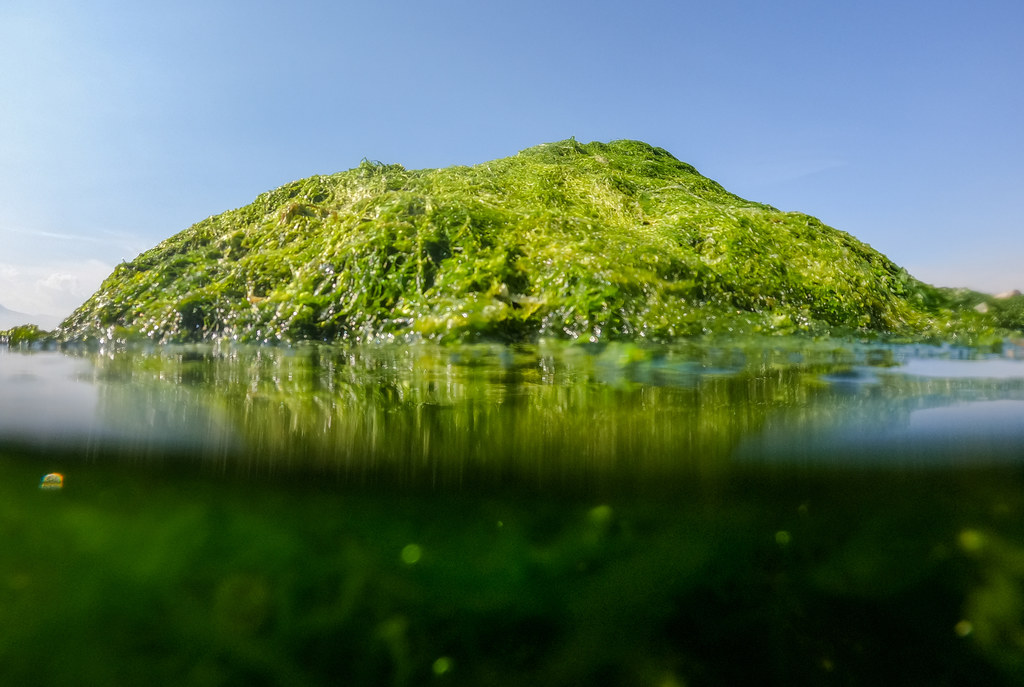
<point x="567" y="240"/>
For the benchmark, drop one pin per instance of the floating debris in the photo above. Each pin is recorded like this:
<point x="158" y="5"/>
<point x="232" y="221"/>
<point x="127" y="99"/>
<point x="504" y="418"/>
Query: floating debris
<point x="52" y="481"/>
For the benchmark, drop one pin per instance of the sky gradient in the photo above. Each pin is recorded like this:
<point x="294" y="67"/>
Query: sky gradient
<point x="123" y="123"/>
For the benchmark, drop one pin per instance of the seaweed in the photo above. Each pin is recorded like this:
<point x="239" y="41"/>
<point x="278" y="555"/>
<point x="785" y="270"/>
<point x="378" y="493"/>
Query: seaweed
<point x="27" y="336"/>
<point x="580" y="241"/>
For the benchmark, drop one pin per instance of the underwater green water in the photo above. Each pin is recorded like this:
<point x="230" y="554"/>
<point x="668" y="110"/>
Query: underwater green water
<point x="771" y="513"/>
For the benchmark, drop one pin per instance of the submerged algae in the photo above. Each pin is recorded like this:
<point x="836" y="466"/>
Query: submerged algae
<point x="581" y="241"/>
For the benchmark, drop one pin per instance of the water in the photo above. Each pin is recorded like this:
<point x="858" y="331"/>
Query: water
<point x="791" y="513"/>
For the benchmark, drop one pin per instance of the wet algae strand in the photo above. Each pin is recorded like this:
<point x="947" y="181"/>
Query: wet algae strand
<point x="581" y="241"/>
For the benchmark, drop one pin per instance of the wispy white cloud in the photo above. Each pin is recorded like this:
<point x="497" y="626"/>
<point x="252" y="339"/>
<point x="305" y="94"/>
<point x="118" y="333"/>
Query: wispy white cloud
<point x="59" y="236"/>
<point x="111" y="241"/>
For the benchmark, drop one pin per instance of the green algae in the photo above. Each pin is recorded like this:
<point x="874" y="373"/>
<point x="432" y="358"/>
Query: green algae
<point x="27" y="336"/>
<point x="564" y="240"/>
<point x="1006" y="311"/>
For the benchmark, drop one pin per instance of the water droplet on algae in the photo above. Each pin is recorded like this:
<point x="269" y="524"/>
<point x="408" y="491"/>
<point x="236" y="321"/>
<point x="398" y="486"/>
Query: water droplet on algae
<point x="52" y="482"/>
<point x="411" y="554"/>
<point x="600" y="515"/>
<point x="971" y="541"/>
<point x="442" y="665"/>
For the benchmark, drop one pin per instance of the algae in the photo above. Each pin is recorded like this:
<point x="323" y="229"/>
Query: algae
<point x="586" y="242"/>
<point x="27" y="336"/>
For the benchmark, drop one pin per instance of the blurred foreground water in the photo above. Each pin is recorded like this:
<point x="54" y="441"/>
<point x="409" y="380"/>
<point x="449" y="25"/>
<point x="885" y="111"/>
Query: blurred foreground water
<point x="778" y="513"/>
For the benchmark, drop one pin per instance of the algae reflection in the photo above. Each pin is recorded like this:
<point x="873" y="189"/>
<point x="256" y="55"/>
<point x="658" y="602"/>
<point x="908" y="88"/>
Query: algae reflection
<point x="425" y="415"/>
<point x="547" y="415"/>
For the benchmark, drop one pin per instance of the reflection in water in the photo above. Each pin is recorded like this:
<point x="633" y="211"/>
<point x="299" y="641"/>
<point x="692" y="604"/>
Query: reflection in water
<point x="427" y="415"/>
<point x="972" y="421"/>
<point x="55" y="402"/>
<point x="908" y="416"/>
<point x="990" y="368"/>
<point x="43" y="398"/>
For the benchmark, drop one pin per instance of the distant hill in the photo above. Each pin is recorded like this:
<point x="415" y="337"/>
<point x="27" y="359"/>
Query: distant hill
<point x="577" y="241"/>
<point x="10" y="318"/>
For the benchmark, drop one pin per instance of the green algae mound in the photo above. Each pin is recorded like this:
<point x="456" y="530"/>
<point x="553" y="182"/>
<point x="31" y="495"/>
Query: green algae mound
<point x="580" y="241"/>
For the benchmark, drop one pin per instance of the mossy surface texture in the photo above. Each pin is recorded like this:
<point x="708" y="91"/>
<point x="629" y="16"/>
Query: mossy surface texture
<point x="567" y="240"/>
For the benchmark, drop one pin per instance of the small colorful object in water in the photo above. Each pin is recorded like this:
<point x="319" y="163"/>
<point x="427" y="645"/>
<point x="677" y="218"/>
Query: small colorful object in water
<point x="54" y="480"/>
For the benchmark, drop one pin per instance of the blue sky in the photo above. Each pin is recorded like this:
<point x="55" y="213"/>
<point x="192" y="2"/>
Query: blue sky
<point x="122" y="123"/>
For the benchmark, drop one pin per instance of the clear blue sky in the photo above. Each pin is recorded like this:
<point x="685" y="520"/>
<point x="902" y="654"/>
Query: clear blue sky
<point x="122" y="123"/>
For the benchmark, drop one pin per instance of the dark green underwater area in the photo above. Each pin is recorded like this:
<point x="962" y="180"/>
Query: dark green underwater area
<point x="588" y="242"/>
<point x="761" y="511"/>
